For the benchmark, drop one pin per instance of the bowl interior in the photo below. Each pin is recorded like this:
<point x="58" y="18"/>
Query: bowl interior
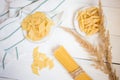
<point x="45" y="38"/>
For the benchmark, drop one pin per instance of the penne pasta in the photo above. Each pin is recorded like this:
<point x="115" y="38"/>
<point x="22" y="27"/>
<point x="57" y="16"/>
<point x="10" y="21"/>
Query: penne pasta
<point x="89" y="20"/>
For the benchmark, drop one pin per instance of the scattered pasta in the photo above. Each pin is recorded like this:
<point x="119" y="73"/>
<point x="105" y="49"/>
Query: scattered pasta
<point x="89" y="20"/>
<point x="40" y="61"/>
<point x="37" y="26"/>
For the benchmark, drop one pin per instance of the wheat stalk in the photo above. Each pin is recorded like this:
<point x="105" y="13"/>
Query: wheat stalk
<point x="89" y="47"/>
<point x="101" y="55"/>
<point x="105" y="47"/>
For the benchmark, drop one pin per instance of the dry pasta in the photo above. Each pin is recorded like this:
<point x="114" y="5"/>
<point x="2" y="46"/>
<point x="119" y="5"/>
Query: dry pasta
<point x="65" y="59"/>
<point x="37" y="26"/>
<point x="70" y="65"/>
<point x="40" y="61"/>
<point x="89" y="20"/>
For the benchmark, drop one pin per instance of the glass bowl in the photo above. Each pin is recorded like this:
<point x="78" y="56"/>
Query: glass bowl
<point x="46" y="37"/>
<point x="94" y="38"/>
<point x="76" y="25"/>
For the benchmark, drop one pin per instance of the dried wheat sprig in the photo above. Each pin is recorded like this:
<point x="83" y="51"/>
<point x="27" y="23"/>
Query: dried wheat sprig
<point x="96" y="56"/>
<point x="102" y="61"/>
<point x="105" y="47"/>
<point x="106" y="52"/>
<point x="89" y="47"/>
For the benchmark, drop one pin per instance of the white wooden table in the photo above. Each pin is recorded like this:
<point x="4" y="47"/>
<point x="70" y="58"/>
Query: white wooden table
<point x="21" y="69"/>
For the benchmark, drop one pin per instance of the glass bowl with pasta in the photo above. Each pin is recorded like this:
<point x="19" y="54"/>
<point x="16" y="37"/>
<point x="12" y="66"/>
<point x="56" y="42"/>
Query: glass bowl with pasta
<point x="87" y="21"/>
<point x="37" y="27"/>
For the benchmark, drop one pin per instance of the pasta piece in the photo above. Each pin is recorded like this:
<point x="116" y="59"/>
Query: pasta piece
<point x="34" y="69"/>
<point x="51" y="64"/>
<point x="35" y="53"/>
<point x="40" y="65"/>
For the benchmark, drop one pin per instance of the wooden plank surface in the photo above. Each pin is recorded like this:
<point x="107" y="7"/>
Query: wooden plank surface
<point x="22" y="67"/>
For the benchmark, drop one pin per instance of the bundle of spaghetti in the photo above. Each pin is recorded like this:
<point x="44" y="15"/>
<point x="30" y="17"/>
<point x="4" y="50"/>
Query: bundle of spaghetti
<point x="70" y="65"/>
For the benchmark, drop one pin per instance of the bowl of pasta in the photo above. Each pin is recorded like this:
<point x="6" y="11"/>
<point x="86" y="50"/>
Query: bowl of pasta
<point x="37" y="27"/>
<point x="87" y="21"/>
